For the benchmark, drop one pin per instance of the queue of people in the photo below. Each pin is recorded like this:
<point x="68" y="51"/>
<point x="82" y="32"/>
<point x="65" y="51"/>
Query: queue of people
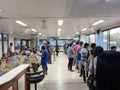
<point x="95" y="64"/>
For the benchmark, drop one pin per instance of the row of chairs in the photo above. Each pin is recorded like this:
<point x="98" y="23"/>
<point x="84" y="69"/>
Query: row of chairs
<point x="32" y="77"/>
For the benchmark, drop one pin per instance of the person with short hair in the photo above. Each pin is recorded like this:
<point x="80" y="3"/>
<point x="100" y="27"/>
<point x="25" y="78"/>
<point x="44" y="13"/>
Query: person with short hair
<point x="113" y="48"/>
<point x="84" y="56"/>
<point x="26" y="57"/>
<point x="93" y="45"/>
<point x="49" y="53"/>
<point x="9" y="50"/>
<point x="44" y="60"/>
<point x="71" y="55"/>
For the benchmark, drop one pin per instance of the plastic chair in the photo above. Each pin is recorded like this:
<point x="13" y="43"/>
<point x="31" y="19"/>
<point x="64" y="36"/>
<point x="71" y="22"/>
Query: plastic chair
<point x="34" y="78"/>
<point x="3" y="62"/>
<point x="34" y="63"/>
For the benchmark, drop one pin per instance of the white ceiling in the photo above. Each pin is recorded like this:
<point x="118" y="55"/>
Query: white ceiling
<point x="77" y="14"/>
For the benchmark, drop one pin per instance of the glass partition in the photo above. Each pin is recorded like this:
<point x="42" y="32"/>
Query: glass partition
<point x="5" y="42"/>
<point x="105" y="40"/>
<point x="115" y="38"/>
<point x="0" y="45"/>
<point x="92" y="38"/>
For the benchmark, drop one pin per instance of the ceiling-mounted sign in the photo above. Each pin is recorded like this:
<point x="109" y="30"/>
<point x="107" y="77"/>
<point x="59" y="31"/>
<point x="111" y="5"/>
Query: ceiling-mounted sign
<point x="54" y="38"/>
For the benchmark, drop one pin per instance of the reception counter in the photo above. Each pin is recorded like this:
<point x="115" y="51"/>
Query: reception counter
<point x="10" y="79"/>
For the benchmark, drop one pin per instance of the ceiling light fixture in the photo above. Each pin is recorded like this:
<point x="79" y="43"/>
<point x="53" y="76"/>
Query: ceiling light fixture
<point x="59" y="29"/>
<point x="84" y="29"/>
<point x="98" y="22"/>
<point x="77" y="33"/>
<point x="107" y="0"/>
<point x="40" y="33"/>
<point x="60" y="22"/>
<point x="21" y="23"/>
<point x="34" y="30"/>
<point x="58" y="33"/>
<point x="0" y="10"/>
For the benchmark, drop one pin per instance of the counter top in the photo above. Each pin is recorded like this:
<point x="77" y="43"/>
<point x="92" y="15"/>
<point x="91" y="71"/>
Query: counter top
<point x="13" y="73"/>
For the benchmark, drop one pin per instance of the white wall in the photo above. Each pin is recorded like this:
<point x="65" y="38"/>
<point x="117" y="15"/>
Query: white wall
<point x="0" y="49"/>
<point x="11" y="39"/>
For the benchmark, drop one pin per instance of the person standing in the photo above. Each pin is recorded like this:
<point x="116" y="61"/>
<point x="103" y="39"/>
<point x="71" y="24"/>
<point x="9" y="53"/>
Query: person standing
<point x="79" y="57"/>
<point x="84" y="57"/>
<point x="93" y="64"/>
<point x="44" y="60"/>
<point x="57" y="49"/>
<point x="9" y="50"/>
<point x="70" y="57"/>
<point x="76" y="53"/>
<point x="49" y="53"/>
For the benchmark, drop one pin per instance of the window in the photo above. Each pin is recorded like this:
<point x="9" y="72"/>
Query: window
<point x="17" y="43"/>
<point x="105" y="40"/>
<point x="5" y="42"/>
<point x="115" y="37"/>
<point x="92" y="38"/>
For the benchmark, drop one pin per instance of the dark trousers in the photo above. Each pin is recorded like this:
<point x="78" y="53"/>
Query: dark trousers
<point x="83" y="72"/>
<point x="49" y="59"/>
<point x="57" y="52"/>
<point x="93" y="88"/>
<point x="70" y="63"/>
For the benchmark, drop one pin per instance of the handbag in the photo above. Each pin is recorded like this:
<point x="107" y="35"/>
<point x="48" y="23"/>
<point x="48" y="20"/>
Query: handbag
<point x="91" y="77"/>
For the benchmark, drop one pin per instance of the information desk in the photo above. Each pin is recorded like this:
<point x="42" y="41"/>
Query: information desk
<point x="11" y="78"/>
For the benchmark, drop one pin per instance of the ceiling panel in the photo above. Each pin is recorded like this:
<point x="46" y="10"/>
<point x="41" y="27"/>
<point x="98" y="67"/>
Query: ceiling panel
<point x="33" y="8"/>
<point x="95" y="8"/>
<point x="77" y="14"/>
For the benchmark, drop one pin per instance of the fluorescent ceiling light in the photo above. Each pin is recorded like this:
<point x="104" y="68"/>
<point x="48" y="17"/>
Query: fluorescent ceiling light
<point x="21" y="23"/>
<point x="34" y="30"/>
<point x="100" y="21"/>
<point x="77" y="33"/>
<point x="84" y="29"/>
<point x="40" y="33"/>
<point x="59" y="29"/>
<point x="107" y="0"/>
<point x="58" y="33"/>
<point x="60" y="22"/>
<point x="0" y="10"/>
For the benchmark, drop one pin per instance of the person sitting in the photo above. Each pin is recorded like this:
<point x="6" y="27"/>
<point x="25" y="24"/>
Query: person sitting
<point x="26" y="57"/>
<point x="33" y="55"/>
<point x="4" y="56"/>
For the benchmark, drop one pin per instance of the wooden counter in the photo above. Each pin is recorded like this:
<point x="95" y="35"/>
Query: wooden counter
<point x="11" y="78"/>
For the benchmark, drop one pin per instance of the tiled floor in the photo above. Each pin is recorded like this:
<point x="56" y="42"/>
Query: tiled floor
<point x="59" y="78"/>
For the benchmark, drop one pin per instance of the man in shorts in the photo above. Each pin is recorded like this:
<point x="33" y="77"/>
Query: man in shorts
<point x="44" y="60"/>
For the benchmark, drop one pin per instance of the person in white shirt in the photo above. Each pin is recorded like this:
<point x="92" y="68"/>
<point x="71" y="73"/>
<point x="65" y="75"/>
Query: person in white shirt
<point x="84" y="57"/>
